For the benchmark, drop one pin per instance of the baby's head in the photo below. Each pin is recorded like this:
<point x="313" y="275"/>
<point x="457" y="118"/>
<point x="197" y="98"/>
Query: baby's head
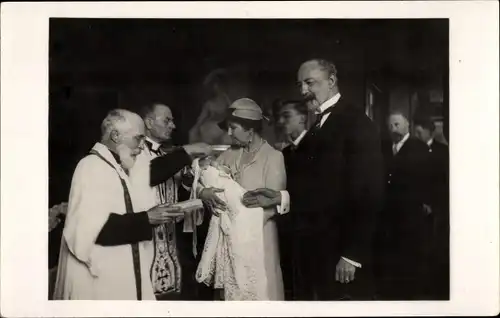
<point x="206" y="161"/>
<point x="210" y="161"/>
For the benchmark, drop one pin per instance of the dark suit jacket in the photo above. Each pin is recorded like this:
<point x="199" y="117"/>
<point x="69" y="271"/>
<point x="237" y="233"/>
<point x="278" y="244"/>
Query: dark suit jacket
<point x="407" y="189"/>
<point x="440" y="198"/>
<point x="439" y="169"/>
<point x="336" y="183"/>
<point x="293" y="169"/>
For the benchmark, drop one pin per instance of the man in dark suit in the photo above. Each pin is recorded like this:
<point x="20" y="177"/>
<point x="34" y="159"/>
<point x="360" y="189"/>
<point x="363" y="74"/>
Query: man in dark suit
<point x="292" y="119"/>
<point x="438" y="170"/>
<point x="337" y="195"/>
<point x="402" y="249"/>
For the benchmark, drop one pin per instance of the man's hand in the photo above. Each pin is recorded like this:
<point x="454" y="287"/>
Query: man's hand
<point x="209" y="196"/>
<point x="344" y="272"/>
<point x="163" y="214"/>
<point x="199" y="149"/>
<point x="262" y="197"/>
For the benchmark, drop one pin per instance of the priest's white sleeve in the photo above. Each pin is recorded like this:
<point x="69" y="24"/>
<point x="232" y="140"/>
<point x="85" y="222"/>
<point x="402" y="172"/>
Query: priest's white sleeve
<point x="87" y="207"/>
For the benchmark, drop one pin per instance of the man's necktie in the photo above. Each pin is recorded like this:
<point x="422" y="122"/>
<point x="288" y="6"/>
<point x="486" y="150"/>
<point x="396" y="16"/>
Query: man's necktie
<point x="394" y="149"/>
<point x="162" y="150"/>
<point x="151" y="149"/>
<point x="317" y="123"/>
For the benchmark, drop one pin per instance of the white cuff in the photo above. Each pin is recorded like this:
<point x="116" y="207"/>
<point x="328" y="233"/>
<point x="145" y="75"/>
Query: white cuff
<point x="351" y="262"/>
<point x="284" y="207"/>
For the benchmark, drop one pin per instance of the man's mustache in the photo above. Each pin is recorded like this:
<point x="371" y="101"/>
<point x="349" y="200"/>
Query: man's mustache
<point x="396" y="136"/>
<point x="308" y="97"/>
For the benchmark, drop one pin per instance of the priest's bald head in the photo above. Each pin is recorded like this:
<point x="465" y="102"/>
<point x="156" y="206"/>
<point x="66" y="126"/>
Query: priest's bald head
<point x="123" y="133"/>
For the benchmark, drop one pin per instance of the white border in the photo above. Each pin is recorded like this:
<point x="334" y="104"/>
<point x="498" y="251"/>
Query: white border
<point x="474" y="101"/>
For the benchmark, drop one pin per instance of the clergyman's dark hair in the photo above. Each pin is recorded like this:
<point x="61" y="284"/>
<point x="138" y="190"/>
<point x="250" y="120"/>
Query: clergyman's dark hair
<point x="424" y="122"/>
<point x="299" y="105"/>
<point x="148" y="108"/>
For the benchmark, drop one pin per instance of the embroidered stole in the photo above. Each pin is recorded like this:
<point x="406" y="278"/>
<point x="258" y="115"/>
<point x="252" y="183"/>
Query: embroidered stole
<point x="166" y="269"/>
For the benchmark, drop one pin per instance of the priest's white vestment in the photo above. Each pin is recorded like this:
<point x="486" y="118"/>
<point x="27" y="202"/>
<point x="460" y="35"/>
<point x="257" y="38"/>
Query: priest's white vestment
<point x="88" y="271"/>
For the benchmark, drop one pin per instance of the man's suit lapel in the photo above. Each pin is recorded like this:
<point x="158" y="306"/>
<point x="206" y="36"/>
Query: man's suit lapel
<point x="329" y="124"/>
<point x="405" y="148"/>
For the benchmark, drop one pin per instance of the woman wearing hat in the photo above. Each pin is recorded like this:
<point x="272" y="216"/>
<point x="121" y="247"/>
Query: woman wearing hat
<point x="254" y="164"/>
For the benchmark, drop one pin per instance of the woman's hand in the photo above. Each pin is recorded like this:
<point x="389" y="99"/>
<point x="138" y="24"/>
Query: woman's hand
<point x="209" y="196"/>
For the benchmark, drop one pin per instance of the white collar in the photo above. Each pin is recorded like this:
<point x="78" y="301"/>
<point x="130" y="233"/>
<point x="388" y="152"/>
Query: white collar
<point x="154" y="145"/>
<point x="299" y="138"/>
<point x="106" y="154"/>
<point x="430" y="141"/>
<point x="402" y="141"/>
<point x="329" y="103"/>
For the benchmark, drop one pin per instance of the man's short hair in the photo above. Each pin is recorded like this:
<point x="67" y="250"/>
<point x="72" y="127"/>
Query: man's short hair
<point x="424" y="122"/>
<point x="398" y="112"/>
<point x="113" y="120"/>
<point x="299" y="106"/>
<point x="148" y="109"/>
<point x="327" y="66"/>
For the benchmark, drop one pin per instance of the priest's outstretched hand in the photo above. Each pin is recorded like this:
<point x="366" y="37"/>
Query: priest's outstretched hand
<point x="163" y="213"/>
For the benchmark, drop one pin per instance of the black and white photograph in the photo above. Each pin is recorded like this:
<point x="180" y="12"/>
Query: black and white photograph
<point x="348" y="116"/>
<point x="276" y="160"/>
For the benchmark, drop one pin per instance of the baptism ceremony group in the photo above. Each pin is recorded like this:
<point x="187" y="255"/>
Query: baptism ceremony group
<point x="336" y="214"/>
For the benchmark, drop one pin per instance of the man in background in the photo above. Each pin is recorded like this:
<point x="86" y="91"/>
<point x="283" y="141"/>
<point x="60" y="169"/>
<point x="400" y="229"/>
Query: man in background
<point x="402" y="266"/>
<point x="438" y="170"/>
<point x="292" y="120"/>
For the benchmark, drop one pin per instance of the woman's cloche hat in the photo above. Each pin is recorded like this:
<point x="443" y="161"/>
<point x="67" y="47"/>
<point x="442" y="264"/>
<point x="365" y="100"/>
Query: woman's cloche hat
<point x="243" y="108"/>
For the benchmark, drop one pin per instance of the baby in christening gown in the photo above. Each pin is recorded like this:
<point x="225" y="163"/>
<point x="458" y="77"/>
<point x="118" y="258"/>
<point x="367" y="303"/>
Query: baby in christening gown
<point x="233" y="255"/>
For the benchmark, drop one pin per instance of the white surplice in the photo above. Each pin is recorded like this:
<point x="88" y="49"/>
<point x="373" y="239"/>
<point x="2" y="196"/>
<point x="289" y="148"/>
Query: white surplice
<point x="88" y="271"/>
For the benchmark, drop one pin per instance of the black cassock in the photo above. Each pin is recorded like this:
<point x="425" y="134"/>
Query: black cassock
<point x="335" y="181"/>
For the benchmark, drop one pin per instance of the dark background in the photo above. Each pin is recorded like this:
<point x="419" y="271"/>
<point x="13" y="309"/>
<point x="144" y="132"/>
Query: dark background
<point x="99" y="64"/>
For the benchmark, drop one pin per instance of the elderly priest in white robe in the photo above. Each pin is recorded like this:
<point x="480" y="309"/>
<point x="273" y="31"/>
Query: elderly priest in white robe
<point x="106" y="248"/>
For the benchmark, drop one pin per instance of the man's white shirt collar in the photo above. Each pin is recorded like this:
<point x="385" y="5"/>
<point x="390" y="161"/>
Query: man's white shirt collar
<point x="329" y="103"/>
<point x="430" y="141"/>
<point x="400" y="143"/>
<point x="154" y="145"/>
<point x="299" y="138"/>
